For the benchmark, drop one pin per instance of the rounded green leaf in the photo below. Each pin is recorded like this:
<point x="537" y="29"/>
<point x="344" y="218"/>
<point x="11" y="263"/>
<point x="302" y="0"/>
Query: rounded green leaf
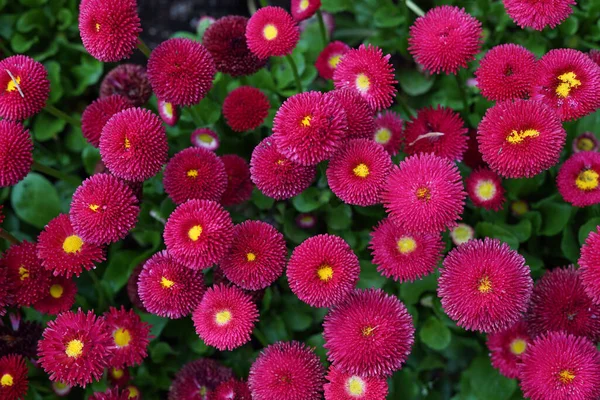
<point x="35" y="200"/>
<point x="435" y="334"/>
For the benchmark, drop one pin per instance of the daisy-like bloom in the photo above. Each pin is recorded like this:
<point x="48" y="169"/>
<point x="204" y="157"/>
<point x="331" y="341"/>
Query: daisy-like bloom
<point x="304" y="9"/>
<point x="587" y="141"/>
<point x="369" y="73"/>
<point x="357" y="172"/>
<point x="424" y="194"/>
<point x="359" y="115"/>
<point x="128" y="80"/>
<point x="59" y="298"/>
<point x="484" y="285"/>
<point x="20" y="337"/>
<point x="271" y="31"/>
<point x="97" y="114"/>
<point x="306" y="221"/>
<point x="595" y="56"/>
<point x="13" y="377"/>
<point x="169" y="289"/>
<point x="538" y="14"/>
<point x="133" y="144"/>
<point x="132" y="288"/>
<point x="181" y="71"/>
<point x="218" y="278"/>
<point x="29" y="281"/>
<point x="133" y="392"/>
<point x="323" y="270"/>
<point x="506" y="72"/>
<point x="485" y="189"/>
<point x="345" y="386"/>
<point x="507" y="348"/>
<point x="225" y="317"/>
<point x="404" y="256"/>
<point x="590" y="265"/>
<point x="75" y="348"/>
<point x="388" y="131"/>
<point x="369" y="334"/>
<point x="330" y="57"/>
<point x="275" y="175"/>
<point x="111" y="394"/>
<point x="197" y="379"/>
<point x="119" y="377"/>
<point x="109" y="30"/>
<point x="558" y="366"/>
<point x="130" y="337"/>
<point x="206" y="138"/>
<point x="257" y="255"/>
<point x="440" y="131"/>
<point x="239" y="185"/>
<point x="461" y="234"/>
<point x="16" y="148"/>
<point x="24" y="87"/>
<point x="168" y="112"/>
<point x="287" y="371"/>
<point x="520" y="138"/>
<point x="225" y="39"/>
<point x="195" y="173"/>
<point x="445" y="39"/>
<point x="231" y="390"/>
<point x="578" y="179"/>
<point x="63" y="252"/>
<point x="245" y="108"/>
<point x="308" y="127"/>
<point x="472" y="157"/>
<point x="567" y="81"/>
<point x="559" y="303"/>
<point x="103" y="210"/>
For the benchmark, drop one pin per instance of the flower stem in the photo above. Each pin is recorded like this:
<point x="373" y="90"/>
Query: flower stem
<point x="195" y="117"/>
<point x="415" y="8"/>
<point x="99" y="289"/>
<point x="56" y="173"/>
<point x="65" y="117"/>
<point x="264" y="3"/>
<point x="292" y="63"/>
<point x="463" y="93"/>
<point x="8" y="237"/>
<point x="143" y="48"/>
<point x="322" y="27"/>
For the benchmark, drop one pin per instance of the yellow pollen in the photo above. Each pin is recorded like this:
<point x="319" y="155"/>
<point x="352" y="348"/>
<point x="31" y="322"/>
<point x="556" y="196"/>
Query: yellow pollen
<point x="485" y="285"/>
<point x="97" y="27"/>
<point x="519" y="207"/>
<point x="223" y="317"/>
<point x="279" y="162"/>
<point x="72" y="244"/>
<point x="568" y="81"/>
<point x="203" y="390"/>
<point x="566" y="376"/>
<point x="195" y="232"/>
<point x="367" y="331"/>
<point x="334" y="61"/>
<point x="74" y="348"/>
<point x="23" y="273"/>
<point x="168" y="109"/>
<point x="362" y="82"/>
<point x="6" y="380"/>
<point x="118" y="373"/>
<point x="270" y="32"/>
<point x="204" y="138"/>
<point x="587" y="180"/>
<point x="518" y="137"/>
<point x="383" y="136"/>
<point x="12" y="85"/>
<point x="133" y="392"/>
<point x="462" y="234"/>
<point x="304" y="5"/>
<point x="361" y="170"/>
<point x="518" y="346"/>
<point x="192" y="173"/>
<point x="355" y="386"/>
<point x="485" y="190"/>
<point x="94" y="207"/>
<point x="250" y="256"/>
<point x="585" y="144"/>
<point x="306" y="121"/>
<point x="56" y="291"/>
<point x="423" y="193"/>
<point x="127" y="143"/>
<point x="325" y="273"/>
<point x="122" y="337"/>
<point x="166" y="283"/>
<point x="406" y="245"/>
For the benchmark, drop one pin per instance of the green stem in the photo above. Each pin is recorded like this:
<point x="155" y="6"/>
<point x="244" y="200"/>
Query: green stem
<point x="8" y="236"/>
<point x="143" y="48"/>
<point x="463" y="93"/>
<point x="322" y="27"/>
<point x="195" y="117"/>
<point x="261" y="337"/>
<point x="404" y="106"/>
<point x="99" y="290"/>
<point x="264" y="3"/>
<point x="415" y="8"/>
<point x="292" y="63"/>
<point x="65" y="117"/>
<point x="55" y="173"/>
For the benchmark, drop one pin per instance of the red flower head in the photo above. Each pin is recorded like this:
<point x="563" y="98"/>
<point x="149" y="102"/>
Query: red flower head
<point x="6" y="297"/>
<point x="257" y="256"/>
<point x="225" y="39"/>
<point x="309" y="127"/>
<point x="521" y="138"/>
<point x="245" y="108"/>
<point x="587" y="141"/>
<point x="20" y="337"/>
<point x="506" y="72"/>
<point x="558" y="366"/>
<point x="369" y="73"/>
<point x="225" y="317"/>
<point x="206" y="138"/>
<point x="16" y="150"/>
<point x="197" y="379"/>
<point x="271" y="31"/>
<point x="567" y="81"/>
<point x="75" y="348"/>
<point x="388" y="131"/>
<point x="97" y="114"/>
<point x="323" y="270"/>
<point x="485" y="189"/>
<point x="304" y="9"/>
<point x="359" y="115"/>
<point x="440" y="131"/>
<point x="330" y="58"/>
<point x="181" y="71"/>
<point x="578" y="179"/>
<point x="24" y="87"/>
<point x="403" y="256"/>
<point x="461" y="234"/>
<point x="445" y="39"/>
<point x="119" y="377"/>
<point x="507" y="348"/>
<point x="369" y="334"/>
<point x="130" y="337"/>
<point x="103" y="210"/>
<point x="109" y="30"/>
<point x="195" y="173"/>
<point x="59" y="297"/>
<point x="538" y="14"/>
<point x="595" y="56"/>
<point x="287" y="371"/>
<point x="198" y="233"/>
<point x="63" y="252"/>
<point x="111" y="394"/>
<point x="590" y="265"/>
<point x="168" y="112"/>
<point x="13" y="377"/>
<point x="275" y="175"/>
<point x="29" y="281"/>
<point x="345" y="386"/>
<point x="484" y="285"/>
<point x="169" y="289"/>
<point x="128" y="80"/>
<point x="231" y="390"/>
<point x="239" y="184"/>
<point x="358" y="171"/>
<point x="472" y="157"/>
<point x="132" y="288"/>
<point x="424" y="194"/>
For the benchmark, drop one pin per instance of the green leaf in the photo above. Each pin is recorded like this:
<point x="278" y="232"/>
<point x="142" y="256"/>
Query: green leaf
<point x="33" y="3"/>
<point x="160" y="351"/>
<point x="32" y="19"/>
<point x="339" y="217"/>
<point x="555" y="217"/>
<point x="335" y="6"/>
<point x="90" y="157"/>
<point x="487" y="229"/>
<point x="119" y="268"/>
<point x="46" y="127"/>
<point x="487" y="383"/>
<point x="411" y="292"/>
<point x="414" y="83"/>
<point x="569" y="245"/>
<point x="56" y="88"/>
<point x="208" y="110"/>
<point x="261" y="201"/>
<point x="157" y="323"/>
<point x="435" y="334"/>
<point x="35" y="200"/>
<point x="311" y="199"/>
<point x="586" y="228"/>
<point x="369" y="276"/>
<point x="21" y="43"/>
<point x="87" y="73"/>
<point x="569" y="26"/>
<point x="388" y="17"/>
<point x="65" y="18"/>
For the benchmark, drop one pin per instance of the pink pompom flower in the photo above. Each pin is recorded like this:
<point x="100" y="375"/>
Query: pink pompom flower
<point x="590" y="265"/>
<point x="130" y="336"/>
<point x="245" y="108"/>
<point x="239" y="185"/>
<point x="98" y="113"/>
<point x="485" y="189"/>
<point x="271" y="31"/>
<point x="330" y="58"/>
<point x="388" y="131"/>
<point x="578" y="179"/>
<point x="24" y="87"/>
<point x="16" y="152"/>
<point x="538" y="14"/>
<point x="507" y="348"/>
<point x="345" y="386"/>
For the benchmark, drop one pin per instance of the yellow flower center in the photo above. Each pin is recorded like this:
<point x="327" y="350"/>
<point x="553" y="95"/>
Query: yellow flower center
<point x="97" y="27"/>
<point x="122" y="337"/>
<point x="334" y="61"/>
<point x="423" y="193"/>
<point x="585" y="144"/>
<point x="206" y="138"/>
<point x="270" y="32"/>
<point x="304" y="5"/>
<point x="306" y="121"/>
<point x="94" y="207"/>
<point x="195" y="232"/>
<point x="383" y="136"/>
<point x="192" y="173"/>
<point x="325" y="273"/>
<point x="56" y="291"/>
<point x="517" y="137"/>
<point x="406" y="245"/>
<point x="74" y="348"/>
<point x="566" y="376"/>
<point x="133" y="392"/>
<point x="518" y="346"/>
<point x="587" y="180"/>
<point x="223" y="317"/>
<point x="485" y="285"/>
<point x="355" y="386"/>
<point x="6" y="380"/>
<point x="362" y="82"/>
<point x="250" y="257"/>
<point x="486" y="190"/>
<point x="166" y="283"/>
<point x="12" y="84"/>
<point x="367" y="331"/>
<point x="72" y="244"/>
<point x="127" y="143"/>
<point x="168" y="109"/>
<point x="462" y="234"/>
<point x="519" y="207"/>
<point x="568" y="81"/>
<point x="361" y="170"/>
<point x="117" y="373"/>
<point x="23" y="272"/>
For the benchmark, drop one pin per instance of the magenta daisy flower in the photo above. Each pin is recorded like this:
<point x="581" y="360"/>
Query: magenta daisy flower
<point x="330" y="58"/>
<point x="13" y="377"/>
<point x="538" y="14"/>
<point x="345" y="386"/>
<point x="128" y="80"/>
<point x="197" y="379"/>
<point x="578" y="179"/>
<point x="16" y="148"/>
<point x="130" y="337"/>
<point x="359" y="115"/>
<point x="590" y="265"/>
<point x="231" y="390"/>
<point x="388" y="131"/>
<point x="245" y="108"/>
<point x="28" y="280"/>
<point x="60" y="296"/>
<point x="239" y="185"/>
<point x="507" y="348"/>
<point x="206" y="138"/>
<point x="168" y="112"/>
<point x="461" y="234"/>
<point x="24" y="87"/>
<point x="111" y="394"/>
<point x="119" y="377"/>
<point x="304" y="9"/>
<point x="587" y="141"/>
<point x="98" y="113"/>
<point x="485" y="189"/>
<point x="271" y="31"/>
